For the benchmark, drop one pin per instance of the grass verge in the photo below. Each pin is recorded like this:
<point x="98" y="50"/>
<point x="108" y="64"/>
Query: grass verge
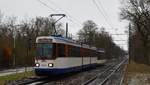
<point x="16" y="76"/>
<point x="138" y="68"/>
<point x="133" y="69"/>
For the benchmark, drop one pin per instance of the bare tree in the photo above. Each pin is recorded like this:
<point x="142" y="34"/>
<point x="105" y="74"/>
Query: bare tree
<point x="89" y="34"/>
<point x="138" y="13"/>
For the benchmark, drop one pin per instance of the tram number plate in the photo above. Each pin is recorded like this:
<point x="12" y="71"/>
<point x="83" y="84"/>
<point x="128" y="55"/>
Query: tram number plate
<point x="43" y="65"/>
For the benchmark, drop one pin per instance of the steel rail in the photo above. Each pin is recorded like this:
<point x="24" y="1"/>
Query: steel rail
<point x="113" y="71"/>
<point x="117" y="67"/>
<point x="92" y="79"/>
<point x="32" y="81"/>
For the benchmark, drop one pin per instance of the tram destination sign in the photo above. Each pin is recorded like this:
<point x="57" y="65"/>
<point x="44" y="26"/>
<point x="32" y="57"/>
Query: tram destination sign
<point x="44" y="40"/>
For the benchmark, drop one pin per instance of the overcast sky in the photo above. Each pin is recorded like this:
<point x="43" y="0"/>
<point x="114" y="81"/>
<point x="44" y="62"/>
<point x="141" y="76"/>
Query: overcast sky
<point x="79" y="11"/>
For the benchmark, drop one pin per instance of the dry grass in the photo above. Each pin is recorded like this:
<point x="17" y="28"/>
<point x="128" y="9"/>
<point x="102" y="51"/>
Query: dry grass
<point x="137" y="68"/>
<point x="17" y="76"/>
<point x="134" y="69"/>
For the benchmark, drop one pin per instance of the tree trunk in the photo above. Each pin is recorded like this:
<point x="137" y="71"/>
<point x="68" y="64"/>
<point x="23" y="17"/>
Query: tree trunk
<point x="146" y="52"/>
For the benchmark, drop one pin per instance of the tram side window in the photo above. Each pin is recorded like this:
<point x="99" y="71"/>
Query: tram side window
<point x="81" y="52"/>
<point x="99" y="55"/>
<point x="87" y="53"/>
<point x="74" y="51"/>
<point x="54" y="49"/>
<point x="77" y="51"/>
<point x="92" y="53"/>
<point x="61" y="50"/>
<point x="70" y="51"/>
<point x="103" y="55"/>
<point x="95" y="53"/>
<point x="84" y="52"/>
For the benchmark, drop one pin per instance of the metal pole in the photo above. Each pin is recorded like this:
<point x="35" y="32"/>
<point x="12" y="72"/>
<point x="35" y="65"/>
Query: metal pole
<point x="81" y="55"/>
<point x="66" y="30"/>
<point x="27" y="43"/>
<point x="14" y="47"/>
<point x="27" y="40"/>
<point x="14" y="59"/>
<point x="129" y="43"/>
<point x="14" y="42"/>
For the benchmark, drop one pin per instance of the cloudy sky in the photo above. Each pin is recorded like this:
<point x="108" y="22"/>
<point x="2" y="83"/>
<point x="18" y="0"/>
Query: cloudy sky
<point x="77" y="11"/>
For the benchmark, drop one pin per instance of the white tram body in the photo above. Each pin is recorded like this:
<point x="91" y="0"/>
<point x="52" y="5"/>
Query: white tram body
<point x="58" y="55"/>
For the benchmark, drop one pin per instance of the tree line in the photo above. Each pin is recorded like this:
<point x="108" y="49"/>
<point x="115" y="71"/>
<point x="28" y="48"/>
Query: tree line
<point x="17" y="40"/>
<point x="92" y="35"/>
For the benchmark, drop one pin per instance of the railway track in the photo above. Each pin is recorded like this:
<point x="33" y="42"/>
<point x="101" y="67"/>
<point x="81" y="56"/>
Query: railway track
<point x="32" y="81"/>
<point x="45" y="80"/>
<point x="103" y="77"/>
<point x="97" y="76"/>
<point x="42" y="80"/>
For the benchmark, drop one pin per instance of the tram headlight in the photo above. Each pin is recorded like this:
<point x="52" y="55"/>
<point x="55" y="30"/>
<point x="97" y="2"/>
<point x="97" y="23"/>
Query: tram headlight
<point x="50" y="65"/>
<point x="37" y="64"/>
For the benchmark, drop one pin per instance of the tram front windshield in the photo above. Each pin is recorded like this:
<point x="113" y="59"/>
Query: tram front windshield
<point x="44" y="50"/>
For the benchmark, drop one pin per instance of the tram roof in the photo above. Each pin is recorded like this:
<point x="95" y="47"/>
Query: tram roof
<point x="59" y="39"/>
